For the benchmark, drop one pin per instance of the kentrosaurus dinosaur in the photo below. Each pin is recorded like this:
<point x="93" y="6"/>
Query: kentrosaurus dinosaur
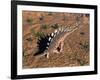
<point x="56" y="40"/>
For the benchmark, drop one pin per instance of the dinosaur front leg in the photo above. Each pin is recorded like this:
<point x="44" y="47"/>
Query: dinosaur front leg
<point x="62" y="44"/>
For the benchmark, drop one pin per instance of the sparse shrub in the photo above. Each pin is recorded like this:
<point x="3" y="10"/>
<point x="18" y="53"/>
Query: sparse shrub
<point x="41" y="17"/>
<point x="85" y="46"/>
<point x="87" y="15"/>
<point x="81" y="62"/>
<point x="30" y="21"/>
<point x="44" y="26"/>
<point x="29" y="39"/>
<point x="78" y="18"/>
<point x="55" y="26"/>
<point x="32" y="31"/>
<point x="64" y="17"/>
<point x="39" y="34"/>
<point x="82" y="33"/>
<point x="50" y="13"/>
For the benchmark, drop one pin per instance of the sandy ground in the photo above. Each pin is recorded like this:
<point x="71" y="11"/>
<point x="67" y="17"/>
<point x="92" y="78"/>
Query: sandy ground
<point x="76" y="45"/>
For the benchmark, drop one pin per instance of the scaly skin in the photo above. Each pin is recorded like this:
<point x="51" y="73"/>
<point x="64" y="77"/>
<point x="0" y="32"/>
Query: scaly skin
<point x="57" y="42"/>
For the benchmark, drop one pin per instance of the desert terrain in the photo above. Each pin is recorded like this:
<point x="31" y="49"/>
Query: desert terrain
<point x="76" y="45"/>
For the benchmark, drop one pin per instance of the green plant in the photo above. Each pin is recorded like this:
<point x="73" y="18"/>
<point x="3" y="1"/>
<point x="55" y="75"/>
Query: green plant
<point x="55" y="26"/>
<point x="30" y="21"/>
<point x="85" y="46"/>
<point x="49" y="13"/>
<point x="32" y="31"/>
<point x="39" y="34"/>
<point x="81" y="62"/>
<point x="44" y="26"/>
<point x="64" y="17"/>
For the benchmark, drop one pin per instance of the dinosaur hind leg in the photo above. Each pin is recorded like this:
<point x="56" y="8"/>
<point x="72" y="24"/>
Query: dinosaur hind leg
<point x="59" y="48"/>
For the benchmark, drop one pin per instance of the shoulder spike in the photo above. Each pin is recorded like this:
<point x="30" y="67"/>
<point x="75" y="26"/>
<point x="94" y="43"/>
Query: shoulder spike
<point x="52" y="34"/>
<point x="55" y="31"/>
<point x="49" y="38"/>
<point x="47" y="43"/>
<point x="59" y="29"/>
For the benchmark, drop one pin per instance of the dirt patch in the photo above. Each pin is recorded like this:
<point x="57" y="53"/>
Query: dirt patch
<point x="76" y="45"/>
